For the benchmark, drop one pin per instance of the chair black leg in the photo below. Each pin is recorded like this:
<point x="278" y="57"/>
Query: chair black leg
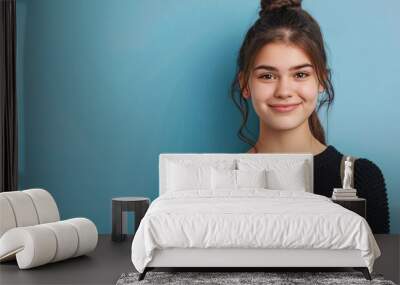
<point x="143" y="274"/>
<point x="364" y="271"/>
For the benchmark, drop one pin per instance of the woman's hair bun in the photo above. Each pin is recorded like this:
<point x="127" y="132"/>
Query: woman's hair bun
<point x="269" y="5"/>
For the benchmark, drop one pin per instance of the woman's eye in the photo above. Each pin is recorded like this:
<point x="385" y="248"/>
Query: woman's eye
<point x="301" y="75"/>
<point x="267" y="76"/>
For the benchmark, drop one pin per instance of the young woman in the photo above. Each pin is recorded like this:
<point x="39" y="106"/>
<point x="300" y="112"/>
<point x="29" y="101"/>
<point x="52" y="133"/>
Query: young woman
<point x="283" y="71"/>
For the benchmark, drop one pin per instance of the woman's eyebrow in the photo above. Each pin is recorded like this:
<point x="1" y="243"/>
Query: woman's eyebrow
<point x="272" y="68"/>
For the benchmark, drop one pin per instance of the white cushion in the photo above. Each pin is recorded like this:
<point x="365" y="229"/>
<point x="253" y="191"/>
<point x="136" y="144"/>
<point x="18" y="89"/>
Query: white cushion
<point x="187" y="174"/>
<point x="26" y="208"/>
<point x="236" y="179"/>
<point x="32" y="246"/>
<point x="40" y="244"/>
<point x="45" y="206"/>
<point x="291" y="179"/>
<point x="281" y="175"/>
<point x="251" y="178"/>
<point x="7" y="218"/>
<point x="67" y="238"/>
<point x="87" y="233"/>
<point x="223" y="179"/>
<point x="23" y="208"/>
<point x="188" y="177"/>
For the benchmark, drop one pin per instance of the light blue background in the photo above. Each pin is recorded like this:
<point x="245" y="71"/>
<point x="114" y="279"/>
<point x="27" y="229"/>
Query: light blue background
<point x="105" y="86"/>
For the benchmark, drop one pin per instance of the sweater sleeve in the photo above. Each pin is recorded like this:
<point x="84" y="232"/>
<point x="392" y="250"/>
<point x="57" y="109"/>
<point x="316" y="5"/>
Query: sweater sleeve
<point x="370" y="184"/>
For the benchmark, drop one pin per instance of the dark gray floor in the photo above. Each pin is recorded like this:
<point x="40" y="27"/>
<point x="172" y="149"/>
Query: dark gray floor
<point x="111" y="259"/>
<point x="389" y="262"/>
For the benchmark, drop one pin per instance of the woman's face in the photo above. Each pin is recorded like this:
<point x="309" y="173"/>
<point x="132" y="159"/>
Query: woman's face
<point x="283" y="75"/>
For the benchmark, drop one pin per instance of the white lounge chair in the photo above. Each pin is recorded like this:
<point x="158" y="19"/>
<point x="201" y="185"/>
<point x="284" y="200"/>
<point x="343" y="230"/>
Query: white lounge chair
<point x="32" y="233"/>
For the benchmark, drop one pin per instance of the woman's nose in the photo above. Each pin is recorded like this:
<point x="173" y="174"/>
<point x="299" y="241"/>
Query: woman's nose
<point x="283" y="89"/>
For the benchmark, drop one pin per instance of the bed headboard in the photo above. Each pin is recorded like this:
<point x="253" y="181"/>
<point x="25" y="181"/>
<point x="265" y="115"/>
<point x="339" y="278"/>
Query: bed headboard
<point x="193" y="157"/>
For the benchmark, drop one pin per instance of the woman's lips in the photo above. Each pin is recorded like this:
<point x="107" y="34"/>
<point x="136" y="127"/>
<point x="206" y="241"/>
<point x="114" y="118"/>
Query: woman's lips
<point x="287" y="108"/>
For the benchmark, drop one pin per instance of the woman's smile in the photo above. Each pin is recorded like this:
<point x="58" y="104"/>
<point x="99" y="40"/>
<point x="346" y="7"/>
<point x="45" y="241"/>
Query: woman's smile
<point x="284" y="108"/>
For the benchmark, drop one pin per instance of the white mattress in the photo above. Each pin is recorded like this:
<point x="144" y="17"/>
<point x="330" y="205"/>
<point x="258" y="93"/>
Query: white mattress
<point x="250" y="218"/>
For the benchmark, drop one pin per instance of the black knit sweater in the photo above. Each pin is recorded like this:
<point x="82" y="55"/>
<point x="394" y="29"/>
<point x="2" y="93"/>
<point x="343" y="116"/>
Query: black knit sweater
<point x="368" y="180"/>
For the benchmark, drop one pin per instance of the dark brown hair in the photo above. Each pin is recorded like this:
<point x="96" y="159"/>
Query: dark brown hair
<point x="283" y="21"/>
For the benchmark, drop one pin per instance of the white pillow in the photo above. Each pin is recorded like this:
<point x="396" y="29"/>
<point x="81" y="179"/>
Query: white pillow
<point x="251" y="178"/>
<point x="288" y="179"/>
<point x="179" y="171"/>
<point x="188" y="177"/>
<point x="223" y="178"/>
<point x="286" y="173"/>
<point x="236" y="179"/>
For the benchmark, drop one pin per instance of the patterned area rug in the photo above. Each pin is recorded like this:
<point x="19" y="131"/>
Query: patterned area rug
<point x="225" y="278"/>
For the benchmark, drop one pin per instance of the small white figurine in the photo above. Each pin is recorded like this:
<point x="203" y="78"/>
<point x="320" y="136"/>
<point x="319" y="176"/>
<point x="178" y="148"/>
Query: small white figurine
<point x="348" y="173"/>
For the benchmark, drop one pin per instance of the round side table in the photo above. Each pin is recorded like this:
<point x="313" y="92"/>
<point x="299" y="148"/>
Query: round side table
<point x="120" y="207"/>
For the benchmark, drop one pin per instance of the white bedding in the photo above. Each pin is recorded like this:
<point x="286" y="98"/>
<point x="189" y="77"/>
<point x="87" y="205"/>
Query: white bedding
<point x="250" y="218"/>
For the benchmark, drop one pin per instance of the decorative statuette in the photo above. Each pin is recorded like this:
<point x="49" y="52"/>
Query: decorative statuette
<point x="348" y="174"/>
<point x="347" y="192"/>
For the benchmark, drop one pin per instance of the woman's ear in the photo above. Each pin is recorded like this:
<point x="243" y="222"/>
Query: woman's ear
<point x="320" y="89"/>
<point x="243" y="86"/>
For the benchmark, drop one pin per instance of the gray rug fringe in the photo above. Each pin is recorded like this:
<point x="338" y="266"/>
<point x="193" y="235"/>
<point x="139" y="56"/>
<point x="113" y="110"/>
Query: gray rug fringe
<point x="244" y="278"/>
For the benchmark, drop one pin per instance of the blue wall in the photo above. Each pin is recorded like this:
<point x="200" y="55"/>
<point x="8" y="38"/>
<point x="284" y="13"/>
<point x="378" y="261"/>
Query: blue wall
<point x="105" y="86"/>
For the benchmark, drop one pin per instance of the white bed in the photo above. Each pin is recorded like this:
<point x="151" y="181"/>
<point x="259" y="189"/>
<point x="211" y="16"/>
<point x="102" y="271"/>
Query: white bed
<point x="248" y="227"/>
